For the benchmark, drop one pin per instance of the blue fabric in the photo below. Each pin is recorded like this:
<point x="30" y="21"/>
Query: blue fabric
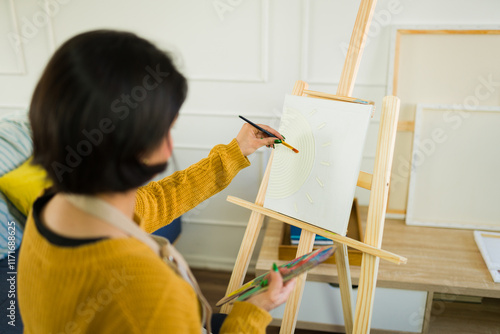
<point x="217" y="321"/>
<point x="171" y="231"/>
<point x="16" y="145"/>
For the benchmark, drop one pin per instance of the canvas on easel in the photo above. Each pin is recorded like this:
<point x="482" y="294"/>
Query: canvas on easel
<point x="378" y="183"/>
<point x="317" y="185"/>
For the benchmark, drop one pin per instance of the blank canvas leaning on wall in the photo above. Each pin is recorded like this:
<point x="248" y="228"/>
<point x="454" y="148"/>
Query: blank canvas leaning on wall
<point x="431" y="64"/>
<point x="317" y="185"/>
<point x="454" y="170"/>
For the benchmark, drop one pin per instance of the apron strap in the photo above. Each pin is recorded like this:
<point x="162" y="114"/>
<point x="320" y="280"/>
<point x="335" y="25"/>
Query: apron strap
<point x="161" y="246"/>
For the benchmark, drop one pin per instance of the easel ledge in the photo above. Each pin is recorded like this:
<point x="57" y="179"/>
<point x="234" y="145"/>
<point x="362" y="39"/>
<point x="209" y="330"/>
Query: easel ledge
<point x="312" y="93"/>
<point x="391" y="257"/>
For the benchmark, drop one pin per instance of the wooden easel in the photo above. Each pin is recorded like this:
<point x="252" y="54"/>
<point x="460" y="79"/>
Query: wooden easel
<point x="378" y="183"/>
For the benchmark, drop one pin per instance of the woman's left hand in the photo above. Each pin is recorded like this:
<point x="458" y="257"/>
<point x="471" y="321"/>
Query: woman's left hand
<point x="250" y="138"/>
<point x="277" y="293"/>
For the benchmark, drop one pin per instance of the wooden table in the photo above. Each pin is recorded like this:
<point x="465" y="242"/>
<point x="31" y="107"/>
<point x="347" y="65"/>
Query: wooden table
<point x="439" y="261"/>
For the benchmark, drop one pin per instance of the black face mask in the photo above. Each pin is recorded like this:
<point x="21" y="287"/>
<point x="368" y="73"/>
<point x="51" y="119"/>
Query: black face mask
<point x="135" y="174"/>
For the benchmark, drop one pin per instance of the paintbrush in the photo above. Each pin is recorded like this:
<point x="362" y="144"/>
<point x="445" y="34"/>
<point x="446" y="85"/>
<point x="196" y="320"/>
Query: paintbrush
<point x="269" y="134"/>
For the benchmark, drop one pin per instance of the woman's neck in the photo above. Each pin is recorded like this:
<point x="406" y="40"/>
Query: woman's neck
<point x="124" y="201"/>
<point x="63" y="218"/>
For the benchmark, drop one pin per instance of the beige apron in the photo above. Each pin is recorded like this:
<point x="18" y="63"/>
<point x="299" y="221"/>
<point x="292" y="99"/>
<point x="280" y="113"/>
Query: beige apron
<point x="159" y="245"/>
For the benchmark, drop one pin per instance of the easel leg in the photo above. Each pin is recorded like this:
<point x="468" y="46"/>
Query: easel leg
<point x="345" y="284"/>
<point x="356" y="47"/>
<point x="306" y="244"/>
<point x="254" y="224"/>
<point x="366" y="293"/>
<point x="244" y="256"/>
<point x="249" y="240"/>
<point x="427" y="312"/>
<point x="376" y="212"/>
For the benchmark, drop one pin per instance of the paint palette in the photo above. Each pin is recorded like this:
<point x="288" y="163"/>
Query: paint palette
<point x="317" y="185"/>
<point x="293" y="269"/>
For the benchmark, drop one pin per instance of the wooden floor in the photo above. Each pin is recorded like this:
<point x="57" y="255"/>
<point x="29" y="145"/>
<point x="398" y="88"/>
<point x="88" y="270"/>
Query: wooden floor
<point x="446" y="317"/>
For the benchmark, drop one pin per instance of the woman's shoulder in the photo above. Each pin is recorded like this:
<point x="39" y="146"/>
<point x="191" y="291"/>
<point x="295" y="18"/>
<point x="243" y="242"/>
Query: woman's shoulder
<point x="140" y="265"/>
<point x="133" y="254"/>
<point x="142" y="277"/>
<point x="150" y="289"/>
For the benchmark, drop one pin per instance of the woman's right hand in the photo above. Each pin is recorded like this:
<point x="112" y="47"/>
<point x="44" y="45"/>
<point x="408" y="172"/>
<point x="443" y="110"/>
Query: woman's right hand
<point x="276" y="294"/>
<point x="250" y="139"/>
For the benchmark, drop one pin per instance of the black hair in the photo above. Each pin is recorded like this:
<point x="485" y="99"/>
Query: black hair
<point x="105" y="99"/>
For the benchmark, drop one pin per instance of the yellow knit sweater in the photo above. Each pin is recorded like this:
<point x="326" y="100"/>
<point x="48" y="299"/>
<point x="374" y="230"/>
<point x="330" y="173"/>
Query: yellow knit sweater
<point x="119" y="285"/>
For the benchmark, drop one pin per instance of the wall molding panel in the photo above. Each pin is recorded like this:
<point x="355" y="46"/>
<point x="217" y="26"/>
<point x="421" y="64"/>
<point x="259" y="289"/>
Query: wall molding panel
<point x="305" y="48"/>
<point x="20" y="56"/>
<point x="260" y="77"/>
<point x="263" y="74"/>
<point x="50" y="30"/>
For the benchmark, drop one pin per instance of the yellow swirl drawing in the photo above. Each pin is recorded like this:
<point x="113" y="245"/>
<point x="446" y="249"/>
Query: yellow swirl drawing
<point x="290" y="170"/>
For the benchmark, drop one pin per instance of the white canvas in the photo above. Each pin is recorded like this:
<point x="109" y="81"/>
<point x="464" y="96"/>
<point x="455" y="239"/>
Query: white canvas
<point x="454" y="169"/>
<point x="436" y="68"/>
<point x="317" y="185"/>
<point x="489" y="246"/>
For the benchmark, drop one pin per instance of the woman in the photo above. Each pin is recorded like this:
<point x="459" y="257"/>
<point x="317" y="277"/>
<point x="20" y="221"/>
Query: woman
<point x="101" y="115"/>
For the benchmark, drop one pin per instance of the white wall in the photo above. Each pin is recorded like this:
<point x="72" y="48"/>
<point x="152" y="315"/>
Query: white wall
<point x="241" y="58"/>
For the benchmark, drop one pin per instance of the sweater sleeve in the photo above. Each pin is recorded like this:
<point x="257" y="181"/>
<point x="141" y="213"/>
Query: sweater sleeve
<point x="160" y="202"/>
<point x="246" y="318"/>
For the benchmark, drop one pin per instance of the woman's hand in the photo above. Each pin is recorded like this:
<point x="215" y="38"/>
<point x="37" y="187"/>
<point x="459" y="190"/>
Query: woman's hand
<point x="276" y="294"/>
<point x="250" y="138"/>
